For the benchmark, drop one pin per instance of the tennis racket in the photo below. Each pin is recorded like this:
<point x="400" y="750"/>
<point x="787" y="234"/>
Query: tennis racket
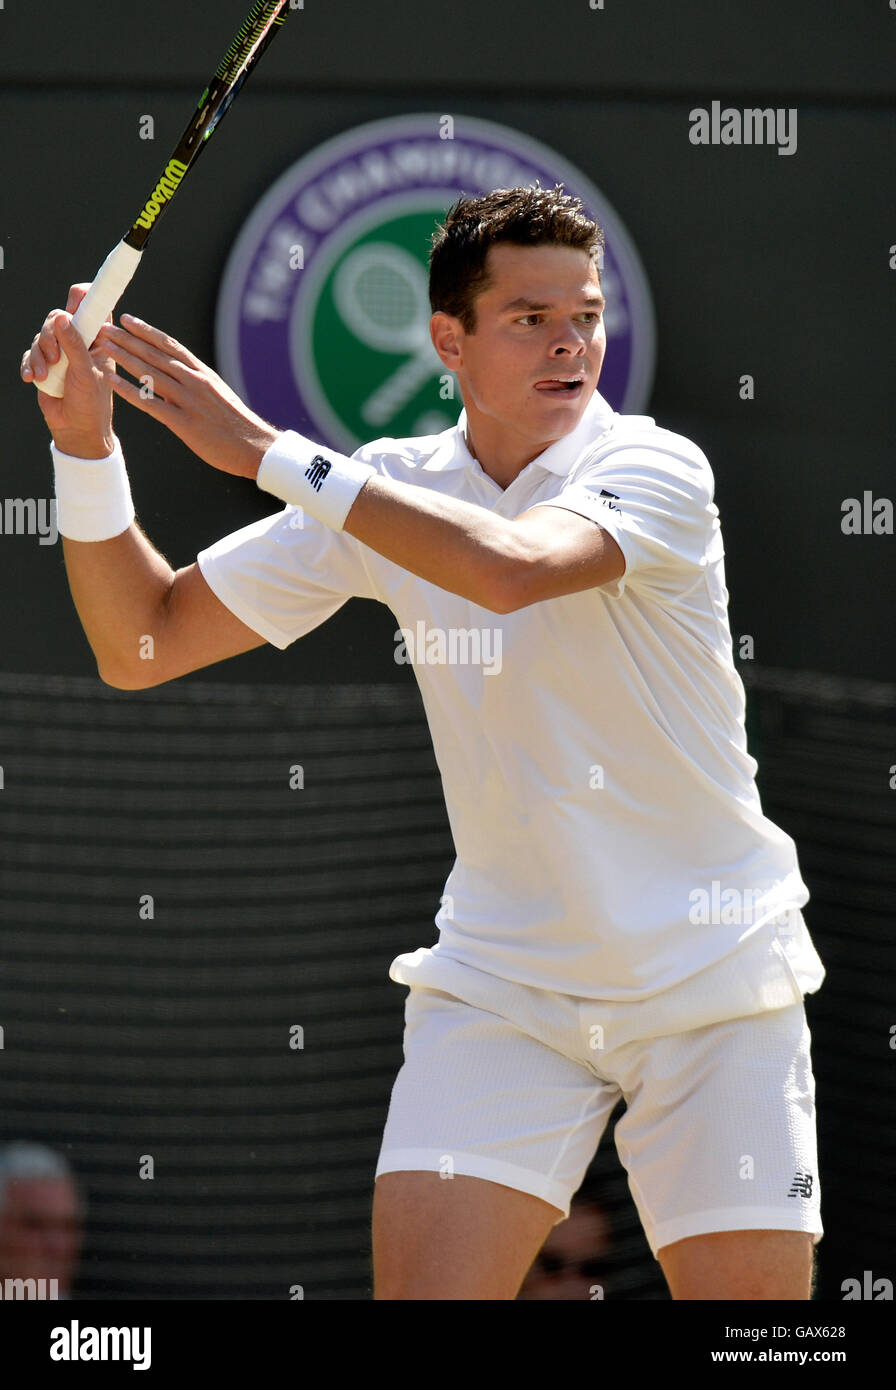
<point x="259" y="27"/>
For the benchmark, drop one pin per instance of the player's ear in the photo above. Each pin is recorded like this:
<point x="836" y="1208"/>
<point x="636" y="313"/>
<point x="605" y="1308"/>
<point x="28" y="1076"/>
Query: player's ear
<point x="447" y="336"/>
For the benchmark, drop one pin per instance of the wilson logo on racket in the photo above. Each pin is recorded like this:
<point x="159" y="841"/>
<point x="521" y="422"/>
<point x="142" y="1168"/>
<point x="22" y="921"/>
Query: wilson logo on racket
<point x="164" y="189"/>
<point x="317" y="470"/>
<point x="117" y="270"/>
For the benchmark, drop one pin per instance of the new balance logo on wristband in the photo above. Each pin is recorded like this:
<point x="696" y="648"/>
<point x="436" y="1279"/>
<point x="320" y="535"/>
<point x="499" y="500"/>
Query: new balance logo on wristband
<point x="294" y="472"/>
<point x="317" y="470"/>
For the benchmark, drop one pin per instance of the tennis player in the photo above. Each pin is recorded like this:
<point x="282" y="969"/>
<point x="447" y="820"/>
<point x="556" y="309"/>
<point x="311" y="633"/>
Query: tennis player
<point x="622" y="919"/>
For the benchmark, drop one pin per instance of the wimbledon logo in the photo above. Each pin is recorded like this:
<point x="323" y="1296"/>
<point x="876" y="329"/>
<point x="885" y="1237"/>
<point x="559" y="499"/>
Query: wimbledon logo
<point x="323" y="314"/>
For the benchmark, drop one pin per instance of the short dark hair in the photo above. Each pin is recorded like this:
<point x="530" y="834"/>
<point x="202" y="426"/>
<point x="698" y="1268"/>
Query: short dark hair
<point x="523" y="216"/>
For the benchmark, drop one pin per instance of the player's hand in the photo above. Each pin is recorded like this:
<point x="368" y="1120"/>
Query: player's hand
<point x="180" y="391"/>
<point x="81" y="420"/>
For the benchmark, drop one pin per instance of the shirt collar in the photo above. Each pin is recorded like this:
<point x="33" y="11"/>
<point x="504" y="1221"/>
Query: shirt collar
<point x="559" y="457"/>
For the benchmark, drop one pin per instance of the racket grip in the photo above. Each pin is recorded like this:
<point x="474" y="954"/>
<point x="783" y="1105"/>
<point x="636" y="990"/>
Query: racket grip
<point x="112" y="279"/>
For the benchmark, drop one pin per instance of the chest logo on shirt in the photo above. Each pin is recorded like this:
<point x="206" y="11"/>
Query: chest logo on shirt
<point x="607" y="503"/>
<point x="323" y="311"/>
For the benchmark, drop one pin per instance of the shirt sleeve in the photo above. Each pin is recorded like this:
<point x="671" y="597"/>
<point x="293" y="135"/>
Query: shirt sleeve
<point x="658" y="507"/>
<point x="285" y="575"/>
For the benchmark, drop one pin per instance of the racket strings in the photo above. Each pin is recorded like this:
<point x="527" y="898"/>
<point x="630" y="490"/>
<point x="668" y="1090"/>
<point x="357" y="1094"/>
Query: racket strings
<point x="250" y="34"/>
<point x="386" y="298"/>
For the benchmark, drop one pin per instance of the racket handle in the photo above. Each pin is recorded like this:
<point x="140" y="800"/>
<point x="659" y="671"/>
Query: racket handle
<point x="112" y="279"/>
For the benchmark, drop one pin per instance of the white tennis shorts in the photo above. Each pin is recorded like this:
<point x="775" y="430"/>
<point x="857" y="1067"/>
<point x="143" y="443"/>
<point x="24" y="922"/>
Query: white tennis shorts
<point x="516" y="1085"/>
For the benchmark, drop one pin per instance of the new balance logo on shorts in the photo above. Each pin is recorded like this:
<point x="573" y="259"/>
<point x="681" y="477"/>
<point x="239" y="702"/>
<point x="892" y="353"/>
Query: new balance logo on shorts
<point x="317" y="470"/>
<point x="801" y="1185"/>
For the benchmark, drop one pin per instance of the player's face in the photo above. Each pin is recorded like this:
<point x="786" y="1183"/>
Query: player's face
<point x="539" y="318"/>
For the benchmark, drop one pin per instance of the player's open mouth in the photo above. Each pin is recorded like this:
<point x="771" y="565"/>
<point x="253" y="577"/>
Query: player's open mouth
<point x="565" y="385"/>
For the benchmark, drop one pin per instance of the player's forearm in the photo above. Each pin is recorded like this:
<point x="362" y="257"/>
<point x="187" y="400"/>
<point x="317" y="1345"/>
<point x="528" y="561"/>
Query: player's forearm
<point x="458" y="546"/>
<point x="120" y="588"/>
<point x="465" y="549"/>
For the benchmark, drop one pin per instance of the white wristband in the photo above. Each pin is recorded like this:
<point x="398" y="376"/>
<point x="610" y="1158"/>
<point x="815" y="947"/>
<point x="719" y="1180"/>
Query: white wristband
<point x="93" y="496"/>
<point x="320" y="481"/>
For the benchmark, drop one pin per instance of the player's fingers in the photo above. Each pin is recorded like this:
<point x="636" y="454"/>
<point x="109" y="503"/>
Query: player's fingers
<point x="47" y="341"/>
<point x="153" y="368"/>
<point x="34" y="366"/>
<point x="114" y="340"/>
<point x="163" y="342"/>
<point x="117" y="341"/>
<point x="143" y="397"/>
<point x="70" y="339"/>
<point x="75" y="295"/>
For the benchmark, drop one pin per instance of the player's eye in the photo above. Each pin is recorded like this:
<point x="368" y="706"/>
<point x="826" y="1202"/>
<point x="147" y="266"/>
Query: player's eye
<point x="529" y="319"/>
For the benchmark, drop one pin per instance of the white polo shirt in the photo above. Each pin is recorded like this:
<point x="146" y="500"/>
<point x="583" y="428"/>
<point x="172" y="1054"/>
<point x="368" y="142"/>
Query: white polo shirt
<point x="609" y="835"/>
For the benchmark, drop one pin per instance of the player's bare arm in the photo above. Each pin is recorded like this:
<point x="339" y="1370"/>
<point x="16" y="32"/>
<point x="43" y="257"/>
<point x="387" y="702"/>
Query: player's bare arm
<point x="501" y="564"/>
<point x="496" y="562"/>
<point x="122" y="588"/>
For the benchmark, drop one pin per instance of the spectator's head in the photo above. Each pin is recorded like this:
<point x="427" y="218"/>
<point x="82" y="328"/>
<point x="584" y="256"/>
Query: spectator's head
<point x="572" y="1263"/>
<point x="41" y="1215"/>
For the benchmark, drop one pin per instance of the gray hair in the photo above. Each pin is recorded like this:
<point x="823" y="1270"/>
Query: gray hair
<point x="21" y="1159"/>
